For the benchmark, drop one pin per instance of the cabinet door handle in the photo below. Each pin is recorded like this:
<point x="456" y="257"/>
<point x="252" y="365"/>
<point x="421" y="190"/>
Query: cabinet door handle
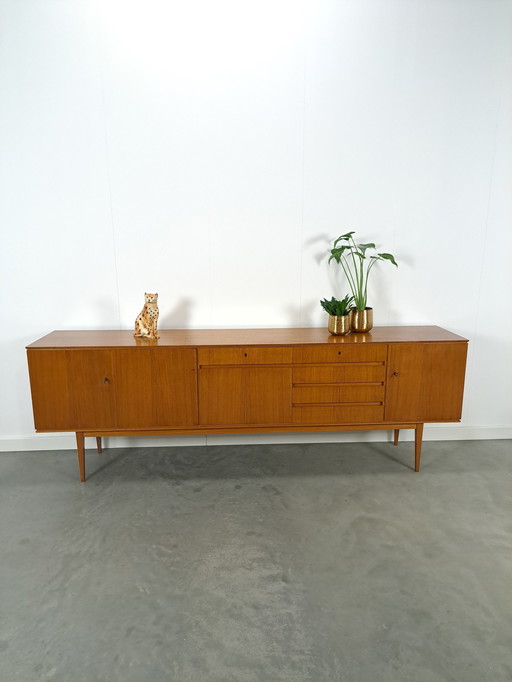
<point x="106" y="380"/>
<point x="395" y="374"/>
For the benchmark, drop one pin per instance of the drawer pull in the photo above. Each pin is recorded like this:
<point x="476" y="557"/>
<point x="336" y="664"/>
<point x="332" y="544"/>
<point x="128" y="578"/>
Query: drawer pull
<point x="395" y="374"/>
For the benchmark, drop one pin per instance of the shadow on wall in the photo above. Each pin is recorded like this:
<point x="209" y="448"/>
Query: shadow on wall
<point x="300" y="315"/>
<point x="304" y="314"/>
<point x="178" y="317"/>
<point x="322" y="243"/>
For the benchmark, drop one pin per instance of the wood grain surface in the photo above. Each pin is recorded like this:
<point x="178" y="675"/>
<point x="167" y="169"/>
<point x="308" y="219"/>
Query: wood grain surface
<point x="242" y="337"/>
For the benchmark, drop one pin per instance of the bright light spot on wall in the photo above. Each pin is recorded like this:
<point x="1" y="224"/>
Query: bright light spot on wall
<point x="197" y="42"/>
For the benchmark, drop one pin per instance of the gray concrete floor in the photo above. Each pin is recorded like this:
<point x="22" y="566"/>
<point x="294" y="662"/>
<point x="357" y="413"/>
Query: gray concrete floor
<point x="258" y="563"/>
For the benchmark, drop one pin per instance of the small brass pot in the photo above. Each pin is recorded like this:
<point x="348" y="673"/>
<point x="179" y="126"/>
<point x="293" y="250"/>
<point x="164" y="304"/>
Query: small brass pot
<point x="361" y="320"/>
<point x="339" y="324"/>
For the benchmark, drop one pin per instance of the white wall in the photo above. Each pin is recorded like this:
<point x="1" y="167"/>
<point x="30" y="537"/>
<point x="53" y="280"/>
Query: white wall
<point x="211" y="150"/>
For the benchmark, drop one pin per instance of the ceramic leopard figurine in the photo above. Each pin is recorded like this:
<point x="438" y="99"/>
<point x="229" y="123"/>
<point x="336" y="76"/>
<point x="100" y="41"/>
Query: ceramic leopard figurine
<point x="145" y="324"/>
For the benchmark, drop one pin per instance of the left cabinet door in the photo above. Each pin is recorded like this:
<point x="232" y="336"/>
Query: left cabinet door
<point x="50" y="390"/>
<point x="156" y="387"/>
<point x="91" y="387"/>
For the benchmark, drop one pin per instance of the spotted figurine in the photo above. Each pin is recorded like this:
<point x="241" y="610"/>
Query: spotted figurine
<point x="146" y="322"/>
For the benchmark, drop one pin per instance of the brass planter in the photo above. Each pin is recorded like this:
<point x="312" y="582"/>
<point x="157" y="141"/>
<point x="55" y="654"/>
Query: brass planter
<point x="361" y="320"/>
<point x="339" y="324"/>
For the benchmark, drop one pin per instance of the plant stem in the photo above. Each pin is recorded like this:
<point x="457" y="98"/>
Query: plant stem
<point x="373" y="261"/>
<point x="361" y="271"/>
<point x="355" y="267"/>
<point x="360" y="297"/>
<point x="348" y="275"/>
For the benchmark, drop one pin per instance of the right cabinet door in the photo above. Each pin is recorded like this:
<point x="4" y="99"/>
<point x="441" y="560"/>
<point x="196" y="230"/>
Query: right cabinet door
<point x="425" y="382"/>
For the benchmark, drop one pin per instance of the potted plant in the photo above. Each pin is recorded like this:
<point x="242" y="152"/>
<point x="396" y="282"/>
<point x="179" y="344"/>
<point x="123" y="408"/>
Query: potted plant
<point x="339" y="314"/>
<point x="357" y="265"/>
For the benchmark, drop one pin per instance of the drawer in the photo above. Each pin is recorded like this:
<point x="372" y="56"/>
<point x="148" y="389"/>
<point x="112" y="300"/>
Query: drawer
<point x="350" y="393"/>
<point x="334" y="414"/>
<point x="343" y="373"/>
<point x="340" y="353"/>
<point x="249" y="355"/>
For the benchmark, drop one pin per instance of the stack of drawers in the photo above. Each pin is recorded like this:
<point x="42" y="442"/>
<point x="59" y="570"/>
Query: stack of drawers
<point x="339" y="384"/>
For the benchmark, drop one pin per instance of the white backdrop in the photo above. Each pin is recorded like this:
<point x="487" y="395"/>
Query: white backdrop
<point x="210" y="151"/>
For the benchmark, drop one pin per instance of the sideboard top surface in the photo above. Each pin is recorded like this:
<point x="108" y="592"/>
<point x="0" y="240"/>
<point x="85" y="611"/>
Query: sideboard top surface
<point x="240" y="337"/>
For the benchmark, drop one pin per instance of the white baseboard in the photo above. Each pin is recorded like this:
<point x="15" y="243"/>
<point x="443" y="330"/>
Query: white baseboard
<point x="67" y="441"/>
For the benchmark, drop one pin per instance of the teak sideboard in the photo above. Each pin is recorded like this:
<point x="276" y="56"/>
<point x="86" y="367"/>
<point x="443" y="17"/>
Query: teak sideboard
<point x="108" y="383"/>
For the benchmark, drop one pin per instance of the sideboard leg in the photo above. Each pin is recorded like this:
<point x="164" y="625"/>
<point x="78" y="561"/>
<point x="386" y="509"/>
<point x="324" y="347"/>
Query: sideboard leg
<point x="397" y="433"/>
<point x="418" y="438"/>
<point x="80" y="446"/>
<point x="98" y="444"/>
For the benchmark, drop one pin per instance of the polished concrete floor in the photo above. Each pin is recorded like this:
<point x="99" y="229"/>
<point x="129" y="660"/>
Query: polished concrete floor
<point x="258" y="563"/>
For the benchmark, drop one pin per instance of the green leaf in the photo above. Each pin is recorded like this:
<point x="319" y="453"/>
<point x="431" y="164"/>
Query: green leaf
<point x="335" y="307"/>
<point x="337" y="253"/>
<point x="363" y="247"/>
<point x="344" y="237"/>
<point x="388" y="256"/>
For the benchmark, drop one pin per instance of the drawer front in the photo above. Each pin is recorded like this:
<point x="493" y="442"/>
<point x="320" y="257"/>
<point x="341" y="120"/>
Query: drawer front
<point x="343" y="414"/>
<point x="350" y="393"/>
<point x="340" y="353"/>
<point x="250" y="355"/>
<point x="343" y="373"/>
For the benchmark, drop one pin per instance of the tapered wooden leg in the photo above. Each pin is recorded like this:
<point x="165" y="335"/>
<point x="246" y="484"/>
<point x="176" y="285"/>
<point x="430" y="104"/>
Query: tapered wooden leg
<point x="418" y="438"/>
<point x="397" y="433"/>
<point x="80" y="446"/>
<point x="98" y="444"/>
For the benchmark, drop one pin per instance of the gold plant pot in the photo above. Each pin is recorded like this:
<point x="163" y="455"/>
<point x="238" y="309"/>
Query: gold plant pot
<point x="361" y="320"/>
<point x="339" y="324"/>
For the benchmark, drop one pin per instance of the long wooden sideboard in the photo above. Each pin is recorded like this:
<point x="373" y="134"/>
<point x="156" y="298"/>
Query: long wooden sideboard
<point x="108" y="383"/>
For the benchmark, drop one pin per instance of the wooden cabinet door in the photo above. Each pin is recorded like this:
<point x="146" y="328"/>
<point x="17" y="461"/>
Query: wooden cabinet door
<point x="425" y="381"/>
<point x="50" y="390"/>
<point x="156" y="387"/>
<point x="91" y="386"/>
<point x="221" y="395"/>
<point x="267" y="395"/>
<point x="245" y="395"/>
